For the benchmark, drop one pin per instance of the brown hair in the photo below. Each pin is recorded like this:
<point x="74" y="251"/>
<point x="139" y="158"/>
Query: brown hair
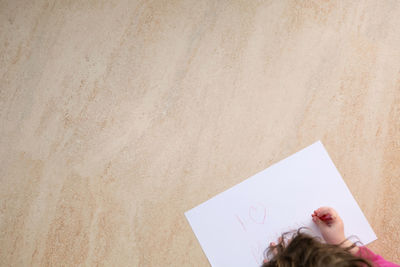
<point x="304" y="250"/>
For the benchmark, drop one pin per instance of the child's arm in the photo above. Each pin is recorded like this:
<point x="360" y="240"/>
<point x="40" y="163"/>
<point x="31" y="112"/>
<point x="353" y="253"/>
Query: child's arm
<point x="332" y="229"/>
<point x="331" y="226"/>
<point x="366" y="253"/>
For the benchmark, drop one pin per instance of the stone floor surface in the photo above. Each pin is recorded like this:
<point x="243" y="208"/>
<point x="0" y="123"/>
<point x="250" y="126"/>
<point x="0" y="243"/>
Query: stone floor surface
<point x="118" y="116"/>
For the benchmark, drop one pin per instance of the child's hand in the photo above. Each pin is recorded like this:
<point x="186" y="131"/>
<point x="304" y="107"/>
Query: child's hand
<point x="274" y="249"/>
<point x="330" y="225"/>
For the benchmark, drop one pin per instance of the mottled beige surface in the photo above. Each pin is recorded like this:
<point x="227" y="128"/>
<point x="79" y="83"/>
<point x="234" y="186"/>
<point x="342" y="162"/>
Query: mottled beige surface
<point x="118" y="116"/>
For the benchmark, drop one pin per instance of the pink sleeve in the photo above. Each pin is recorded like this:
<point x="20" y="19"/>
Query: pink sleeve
<point x="377" y="260"/>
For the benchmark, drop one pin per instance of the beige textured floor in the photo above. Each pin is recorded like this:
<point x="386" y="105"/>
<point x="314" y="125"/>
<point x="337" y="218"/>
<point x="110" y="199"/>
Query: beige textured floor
<point x="118" y="116"/>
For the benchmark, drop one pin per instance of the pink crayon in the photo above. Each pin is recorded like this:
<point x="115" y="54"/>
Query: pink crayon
<point x="325" y="217"/>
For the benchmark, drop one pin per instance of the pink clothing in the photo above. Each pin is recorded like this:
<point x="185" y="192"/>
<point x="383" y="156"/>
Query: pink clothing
<point x="377" y="260"/>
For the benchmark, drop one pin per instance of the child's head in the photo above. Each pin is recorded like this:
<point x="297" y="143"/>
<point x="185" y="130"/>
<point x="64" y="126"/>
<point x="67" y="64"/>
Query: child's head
<point x="305" y="250"/>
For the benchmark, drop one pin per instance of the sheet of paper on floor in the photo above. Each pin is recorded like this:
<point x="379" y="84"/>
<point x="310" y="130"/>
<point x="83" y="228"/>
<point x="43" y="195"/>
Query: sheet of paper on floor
<point x="235" y="227"/>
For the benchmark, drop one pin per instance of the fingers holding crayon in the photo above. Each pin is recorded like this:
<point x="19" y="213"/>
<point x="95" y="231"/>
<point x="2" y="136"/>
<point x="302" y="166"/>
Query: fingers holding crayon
<point x="330" y="224"/>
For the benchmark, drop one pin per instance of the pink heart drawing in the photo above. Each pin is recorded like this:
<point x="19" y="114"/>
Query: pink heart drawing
<point x="258" y="213"/>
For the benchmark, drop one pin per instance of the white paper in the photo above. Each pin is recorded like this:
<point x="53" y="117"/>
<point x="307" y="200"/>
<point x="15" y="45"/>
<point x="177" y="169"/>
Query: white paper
<point x="236" y="226"/>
